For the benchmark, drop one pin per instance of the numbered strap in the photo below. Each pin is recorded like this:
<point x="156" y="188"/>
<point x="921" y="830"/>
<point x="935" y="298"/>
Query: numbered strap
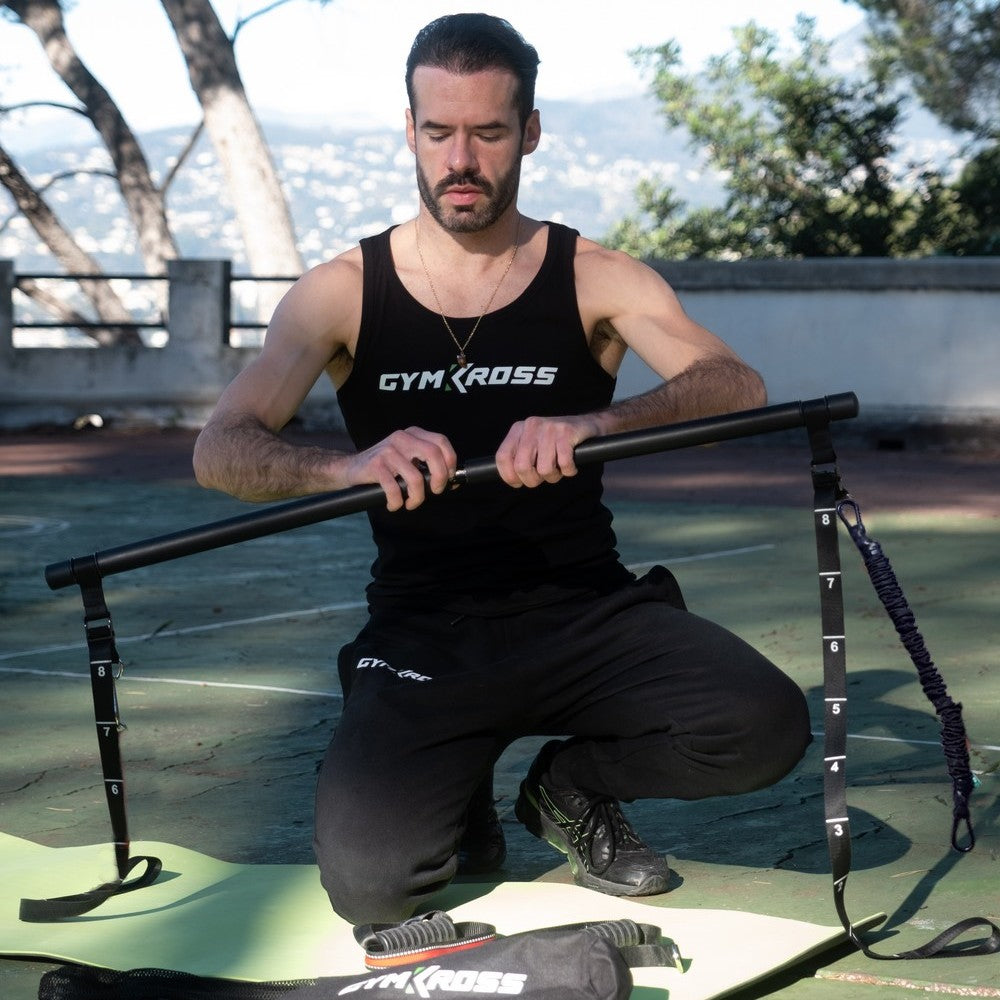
<point x="105" y="666"/>
<point x="838" y="825"/>
<point x="828" y="493"/>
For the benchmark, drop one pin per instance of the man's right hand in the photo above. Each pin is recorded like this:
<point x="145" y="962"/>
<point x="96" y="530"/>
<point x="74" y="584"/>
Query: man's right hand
<point x="398" y="463"/>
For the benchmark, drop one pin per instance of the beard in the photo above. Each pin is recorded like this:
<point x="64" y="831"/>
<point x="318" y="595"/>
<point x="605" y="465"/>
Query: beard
<point x="470" y="219"/>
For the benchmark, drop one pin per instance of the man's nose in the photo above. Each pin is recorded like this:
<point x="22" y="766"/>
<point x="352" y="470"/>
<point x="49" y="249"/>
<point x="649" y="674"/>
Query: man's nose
<point x="461" y="156"/>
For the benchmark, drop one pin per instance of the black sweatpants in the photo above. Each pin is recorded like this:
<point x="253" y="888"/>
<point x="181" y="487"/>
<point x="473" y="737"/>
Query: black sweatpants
<point x="656" y="702"/>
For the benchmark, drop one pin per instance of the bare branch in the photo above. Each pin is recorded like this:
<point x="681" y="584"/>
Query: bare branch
<point x="23" y="105"/>
<point x="243" y="21"/>
<point x="184" y="154"/>
<point x="65" y="174"/>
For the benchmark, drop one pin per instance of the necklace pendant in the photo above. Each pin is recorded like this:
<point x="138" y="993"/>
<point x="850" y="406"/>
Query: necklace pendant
<point x="462" y="363"/>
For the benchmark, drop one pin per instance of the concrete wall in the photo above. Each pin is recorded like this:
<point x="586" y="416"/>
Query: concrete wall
<point x="918" y="341"/>
<point x="176" y="385"/>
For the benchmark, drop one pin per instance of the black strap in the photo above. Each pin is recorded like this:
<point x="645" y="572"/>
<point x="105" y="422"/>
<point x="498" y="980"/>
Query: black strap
<point x="433" y="934"/>
<point x="641" y="945"/>
<point x="105" y="667"/>
<point x="829" y="495"/>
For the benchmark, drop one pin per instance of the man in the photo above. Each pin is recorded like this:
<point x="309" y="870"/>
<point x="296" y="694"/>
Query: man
<point x="498" y="611"/>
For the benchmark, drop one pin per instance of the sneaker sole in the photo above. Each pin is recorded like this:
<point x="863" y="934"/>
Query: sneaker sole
<point x="537" y="823"/>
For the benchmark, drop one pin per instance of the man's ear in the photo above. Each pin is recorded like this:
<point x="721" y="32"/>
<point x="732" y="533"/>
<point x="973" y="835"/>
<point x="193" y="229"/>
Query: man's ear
<point x="411" y="131"/>
<point x="532" y="133"/>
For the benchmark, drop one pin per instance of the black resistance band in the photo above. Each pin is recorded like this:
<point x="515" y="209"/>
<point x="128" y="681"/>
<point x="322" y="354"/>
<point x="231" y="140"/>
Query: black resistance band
<point x="830" y="502"/>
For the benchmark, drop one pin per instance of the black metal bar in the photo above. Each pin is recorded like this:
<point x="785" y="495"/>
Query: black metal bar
<point x="103" y="276"/>
<point x="92" y="325"/>
<point x="291" y="278"/>
<point x="310" y="510"/>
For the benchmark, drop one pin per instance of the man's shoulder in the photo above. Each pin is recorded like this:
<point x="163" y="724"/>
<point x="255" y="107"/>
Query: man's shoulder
<point x="591" y="256"/>
<point x="350" y="261"/>
<point x="326" y="298"/>
<point x="612" y="282"/>
<point x="343" y="269"/>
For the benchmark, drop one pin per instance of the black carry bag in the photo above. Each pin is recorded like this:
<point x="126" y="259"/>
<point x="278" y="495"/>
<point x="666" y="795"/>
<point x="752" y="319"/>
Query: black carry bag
<point x="427" y="957"/>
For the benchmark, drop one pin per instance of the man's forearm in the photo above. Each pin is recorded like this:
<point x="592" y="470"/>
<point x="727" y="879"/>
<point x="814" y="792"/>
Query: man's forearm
<point x="248" y="461"/>
<point x="706" y="388"/>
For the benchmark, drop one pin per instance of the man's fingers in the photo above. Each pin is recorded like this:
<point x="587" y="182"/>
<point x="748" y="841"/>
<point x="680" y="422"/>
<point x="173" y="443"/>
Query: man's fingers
<point x="537" y="451"/>
<point x="434" y="456"/>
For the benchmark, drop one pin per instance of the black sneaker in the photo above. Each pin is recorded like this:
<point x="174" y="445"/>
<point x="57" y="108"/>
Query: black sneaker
<point x="483" y="847"/>
<point x="604" y="852"/>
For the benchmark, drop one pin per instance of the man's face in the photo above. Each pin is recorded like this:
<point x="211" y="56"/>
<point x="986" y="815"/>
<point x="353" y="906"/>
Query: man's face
<point x="468" y="142"/>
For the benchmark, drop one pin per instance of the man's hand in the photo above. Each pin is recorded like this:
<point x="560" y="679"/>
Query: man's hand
<point x="540" y="449"/>
<point x="404" y="457"/>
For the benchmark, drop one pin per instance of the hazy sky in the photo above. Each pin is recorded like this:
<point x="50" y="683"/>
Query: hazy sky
<point x="345" y="60"/>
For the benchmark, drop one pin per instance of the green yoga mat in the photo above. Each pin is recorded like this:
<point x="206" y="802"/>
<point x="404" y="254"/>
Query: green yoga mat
<point x="274" y="922"/>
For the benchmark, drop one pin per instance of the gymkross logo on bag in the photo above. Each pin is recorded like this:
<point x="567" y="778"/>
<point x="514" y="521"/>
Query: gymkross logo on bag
<point x="374" y="663"/>
<point x="429" y="979"/>
<point x="463" y="379"/>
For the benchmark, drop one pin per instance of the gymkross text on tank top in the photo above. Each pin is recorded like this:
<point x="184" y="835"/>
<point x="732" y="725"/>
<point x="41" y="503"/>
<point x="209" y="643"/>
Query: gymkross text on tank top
<point x="481" y="549"/>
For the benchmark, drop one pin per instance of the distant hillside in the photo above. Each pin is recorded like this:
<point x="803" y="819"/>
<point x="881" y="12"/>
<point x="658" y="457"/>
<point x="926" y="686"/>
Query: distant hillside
<point x="344" y="184"/>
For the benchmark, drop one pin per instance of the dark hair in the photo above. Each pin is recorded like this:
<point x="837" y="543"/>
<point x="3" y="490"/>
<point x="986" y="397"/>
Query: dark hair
<point x="468" y="43"/>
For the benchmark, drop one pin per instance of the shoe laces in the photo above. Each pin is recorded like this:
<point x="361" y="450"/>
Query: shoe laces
<point x="603" y="823"/>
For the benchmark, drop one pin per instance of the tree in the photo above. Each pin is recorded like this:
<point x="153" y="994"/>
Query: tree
<point x="252" y="181"/>
<point x="950" y="50"/>
<point x="806" y="154"/>
<point x="99" y="291"/>
<point x="253" y="184"/>
<point x="978" y="195"/>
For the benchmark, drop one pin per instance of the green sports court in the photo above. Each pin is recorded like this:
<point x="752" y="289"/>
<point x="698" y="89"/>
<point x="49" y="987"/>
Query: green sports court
<point x="230" y="693"/>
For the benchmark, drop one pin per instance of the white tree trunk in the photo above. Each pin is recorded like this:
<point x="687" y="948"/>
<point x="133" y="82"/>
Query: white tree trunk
<point x="251" y="178"/>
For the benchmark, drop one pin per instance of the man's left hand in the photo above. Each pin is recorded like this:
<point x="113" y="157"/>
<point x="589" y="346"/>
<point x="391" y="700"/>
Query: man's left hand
<point x="540" y="449"/>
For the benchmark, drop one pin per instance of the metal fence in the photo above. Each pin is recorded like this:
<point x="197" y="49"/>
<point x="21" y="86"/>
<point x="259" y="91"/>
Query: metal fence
<point x="37" y="296"/>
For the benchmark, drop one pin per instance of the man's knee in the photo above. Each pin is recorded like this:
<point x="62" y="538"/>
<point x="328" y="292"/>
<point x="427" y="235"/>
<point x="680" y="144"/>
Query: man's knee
<point x="372" y="883"/>
<point x="781" y="737"/>
<point x="366" y="895"/>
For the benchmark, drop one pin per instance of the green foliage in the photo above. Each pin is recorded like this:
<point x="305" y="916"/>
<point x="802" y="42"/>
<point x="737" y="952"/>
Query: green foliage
<point x="977" y="194"/>
<point x="950" y="51"/>
<point x="805" y="155"/>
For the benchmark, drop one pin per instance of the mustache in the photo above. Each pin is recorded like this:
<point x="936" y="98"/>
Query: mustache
<point x="459" y="180"/>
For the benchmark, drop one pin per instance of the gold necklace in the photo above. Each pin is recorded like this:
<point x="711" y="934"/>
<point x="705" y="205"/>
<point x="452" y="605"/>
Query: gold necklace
<point x="460" y="357"/>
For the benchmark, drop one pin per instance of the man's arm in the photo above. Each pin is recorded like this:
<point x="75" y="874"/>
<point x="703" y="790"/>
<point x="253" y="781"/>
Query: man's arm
<point x="314" y="329"/>
<point x="629" y="306"/>
<point x="707" y="387"/>
<point x="636" y="309"/>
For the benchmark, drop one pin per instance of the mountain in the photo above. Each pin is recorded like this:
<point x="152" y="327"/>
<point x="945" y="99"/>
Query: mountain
<point x="343" y="184"/>
<point x="346" y="183"/>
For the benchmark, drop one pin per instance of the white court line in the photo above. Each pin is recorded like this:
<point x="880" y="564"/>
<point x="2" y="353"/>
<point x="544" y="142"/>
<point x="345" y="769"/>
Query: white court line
<point x="898" y="739"/>
<point x="80" y="676"/>
<point x="346" y="606"/>
<point x="191" y="629"/>
<point x="76" y="675"/>
<point x="722" y="553"/>
<point x="15" y="524"/>
<point x="351" y="606"/>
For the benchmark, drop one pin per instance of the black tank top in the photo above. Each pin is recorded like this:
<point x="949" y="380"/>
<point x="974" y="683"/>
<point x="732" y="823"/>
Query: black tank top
<point x="482" y="549"/>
